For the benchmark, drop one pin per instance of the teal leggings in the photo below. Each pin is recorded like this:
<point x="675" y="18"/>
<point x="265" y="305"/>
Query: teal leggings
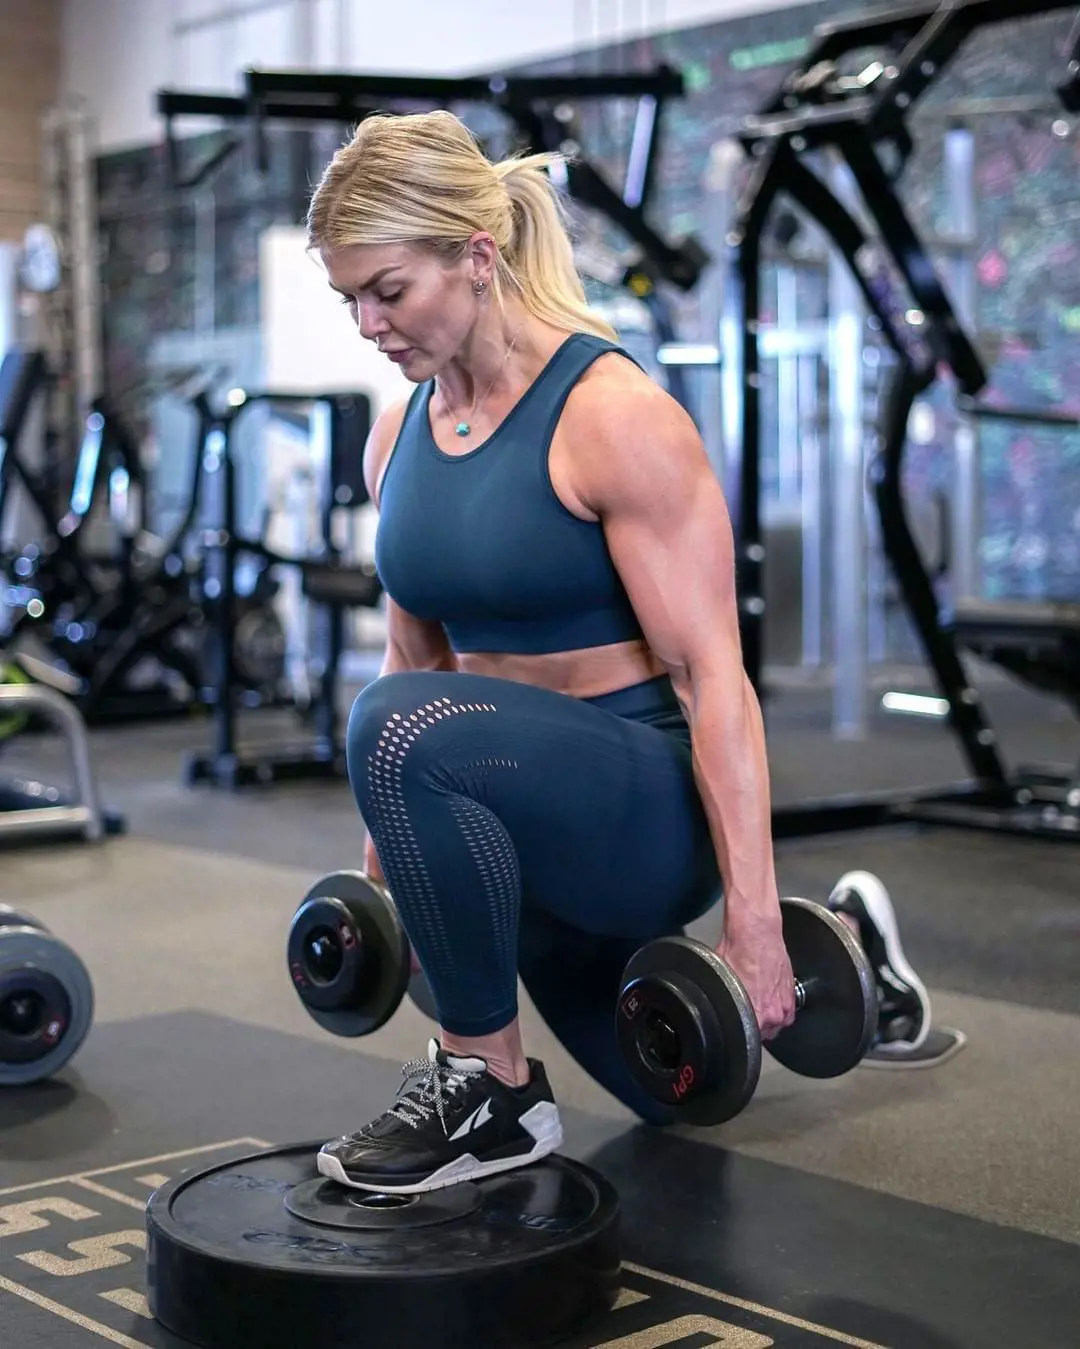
<point x="526" y="832"/>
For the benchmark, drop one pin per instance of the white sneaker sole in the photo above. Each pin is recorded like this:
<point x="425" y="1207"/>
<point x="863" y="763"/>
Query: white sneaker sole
<point x="542" y="1121"/>
<point x="879" y="907"/>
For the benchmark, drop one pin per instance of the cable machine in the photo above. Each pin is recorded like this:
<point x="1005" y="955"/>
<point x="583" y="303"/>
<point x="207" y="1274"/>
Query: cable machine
<point x="859" y="121"/>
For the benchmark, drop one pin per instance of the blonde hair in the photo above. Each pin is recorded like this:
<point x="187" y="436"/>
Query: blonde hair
<point x="423" y="179"/>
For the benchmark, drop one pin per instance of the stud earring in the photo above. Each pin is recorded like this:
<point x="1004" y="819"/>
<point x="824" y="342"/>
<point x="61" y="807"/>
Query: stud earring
<point x="479" y="287"/>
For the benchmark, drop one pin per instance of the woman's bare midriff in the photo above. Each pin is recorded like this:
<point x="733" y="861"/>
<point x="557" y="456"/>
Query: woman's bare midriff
<point x="579" y="674"/>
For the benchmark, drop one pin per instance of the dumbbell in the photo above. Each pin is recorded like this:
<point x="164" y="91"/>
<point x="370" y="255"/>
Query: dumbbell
<point x="349" y="957"/>
<point x="46" y="1000"/>
<point x="687" y="1030"/>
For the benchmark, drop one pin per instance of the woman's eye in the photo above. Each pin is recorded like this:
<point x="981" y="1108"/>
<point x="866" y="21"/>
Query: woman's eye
<point x="389" y="299"/>
<point x="347" y="299"/>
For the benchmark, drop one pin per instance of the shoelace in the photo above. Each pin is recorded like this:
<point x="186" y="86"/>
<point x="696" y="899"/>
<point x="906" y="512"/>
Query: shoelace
<point x="437" y="1081"/>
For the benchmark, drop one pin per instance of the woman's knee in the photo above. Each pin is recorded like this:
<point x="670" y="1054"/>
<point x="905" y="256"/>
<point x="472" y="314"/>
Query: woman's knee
<point x="384" y="705"/>
<point x="401" y="729"/>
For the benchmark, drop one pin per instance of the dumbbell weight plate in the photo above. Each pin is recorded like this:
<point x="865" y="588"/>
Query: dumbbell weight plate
<point x="687" y="1031"/>
<point x="46" y="1001"/>
<point x="348" y="954"/>
<point x="836" y="1027"/>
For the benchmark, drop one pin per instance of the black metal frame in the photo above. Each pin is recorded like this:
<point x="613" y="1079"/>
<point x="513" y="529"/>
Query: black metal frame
<point x="531" y="103"/>
<point x="538" y="106"/>
<point x="323" y="755"/>
<point x="87" y="600"/>
<point x="816" y="107"/>
<point x="23" y="376"/>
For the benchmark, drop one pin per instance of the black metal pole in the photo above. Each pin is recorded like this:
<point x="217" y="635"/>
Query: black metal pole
<point x="746" y="239"/>
<point x="977" y="739"/>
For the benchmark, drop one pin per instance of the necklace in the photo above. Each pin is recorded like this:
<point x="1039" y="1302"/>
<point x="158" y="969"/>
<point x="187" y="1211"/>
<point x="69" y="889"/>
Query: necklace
<point x="464" y="428"/>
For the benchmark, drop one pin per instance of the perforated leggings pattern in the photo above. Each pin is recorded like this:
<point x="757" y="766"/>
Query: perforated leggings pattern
<point x="490" y="802"/>
<point x="400" y="855"/>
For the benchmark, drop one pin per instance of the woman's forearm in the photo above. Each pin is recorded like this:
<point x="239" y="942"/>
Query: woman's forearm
<point x="732" y="774"/>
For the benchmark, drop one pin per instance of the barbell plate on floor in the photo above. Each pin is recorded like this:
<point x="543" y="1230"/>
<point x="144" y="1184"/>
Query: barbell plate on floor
<point x="10" y="917"/>
<point x="687" y="1031"/>
<point x="348" y="954"/>
<point x="835" y="1028"/>
<point x="46" y="1002"/>
<point x="263" y="1251"/>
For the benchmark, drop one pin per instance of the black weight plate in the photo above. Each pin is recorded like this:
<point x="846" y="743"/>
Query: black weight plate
<point x="835" y="1028"/>
<point x="46" y="1005"/>
<point x="35" y="1010"/>
<point x="333" y="956"/>
<point x="328" y="1204"/>
<point x="361" y="997"/>
<point x="535" y="1255"/>
<point x="701" y="1092"/>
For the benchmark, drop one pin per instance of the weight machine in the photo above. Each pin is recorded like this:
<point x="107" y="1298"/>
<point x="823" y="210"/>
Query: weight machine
<point x="338" y="426"/>
<point x="859" y="117"/>
<point x="97" y="618"/>
<point x="30" y="809"/>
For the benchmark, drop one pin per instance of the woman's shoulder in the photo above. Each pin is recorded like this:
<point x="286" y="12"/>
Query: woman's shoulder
<point x="624" y="437"/>
<point x="615" y="395"/>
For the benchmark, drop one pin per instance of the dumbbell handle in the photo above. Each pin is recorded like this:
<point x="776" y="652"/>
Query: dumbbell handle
<point x="803" y="989"/>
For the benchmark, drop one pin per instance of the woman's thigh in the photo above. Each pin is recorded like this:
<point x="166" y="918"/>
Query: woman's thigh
<point x="602" y="812"/>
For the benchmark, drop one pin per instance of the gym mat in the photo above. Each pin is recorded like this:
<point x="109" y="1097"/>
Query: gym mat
<point x="721" y="1248"/>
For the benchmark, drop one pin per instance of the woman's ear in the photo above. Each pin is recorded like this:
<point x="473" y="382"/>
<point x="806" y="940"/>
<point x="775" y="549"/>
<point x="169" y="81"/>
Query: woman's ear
<point x="481" y="253"/>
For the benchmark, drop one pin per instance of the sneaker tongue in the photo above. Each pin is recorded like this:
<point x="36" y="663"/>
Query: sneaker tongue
<point x="458" y="1063"/>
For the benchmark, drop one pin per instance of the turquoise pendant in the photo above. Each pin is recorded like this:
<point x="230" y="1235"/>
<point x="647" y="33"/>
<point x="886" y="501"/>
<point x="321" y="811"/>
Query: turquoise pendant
<point x="463" y="428"/>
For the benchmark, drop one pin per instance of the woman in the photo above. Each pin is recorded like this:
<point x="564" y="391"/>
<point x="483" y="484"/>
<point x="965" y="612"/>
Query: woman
<point x="562" y="756"/>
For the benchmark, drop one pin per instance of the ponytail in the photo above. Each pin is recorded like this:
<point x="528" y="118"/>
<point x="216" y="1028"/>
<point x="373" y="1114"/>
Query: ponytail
<point x="539" y="261"/>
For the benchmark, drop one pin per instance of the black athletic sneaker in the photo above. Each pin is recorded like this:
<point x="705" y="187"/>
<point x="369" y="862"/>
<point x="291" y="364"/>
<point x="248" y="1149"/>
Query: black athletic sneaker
<point x="452" y="1121"/>
<point x="903" y="1002"/>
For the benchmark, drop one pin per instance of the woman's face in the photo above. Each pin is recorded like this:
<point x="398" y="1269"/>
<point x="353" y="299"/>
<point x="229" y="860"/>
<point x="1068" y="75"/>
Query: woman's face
<point x="415" y="307"/>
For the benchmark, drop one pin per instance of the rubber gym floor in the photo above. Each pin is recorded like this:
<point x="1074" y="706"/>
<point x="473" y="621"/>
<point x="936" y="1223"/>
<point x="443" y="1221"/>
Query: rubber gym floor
<point x="931" y="1209"/>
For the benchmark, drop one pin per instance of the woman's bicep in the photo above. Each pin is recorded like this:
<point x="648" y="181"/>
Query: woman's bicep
<point x="670" y="536"/>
